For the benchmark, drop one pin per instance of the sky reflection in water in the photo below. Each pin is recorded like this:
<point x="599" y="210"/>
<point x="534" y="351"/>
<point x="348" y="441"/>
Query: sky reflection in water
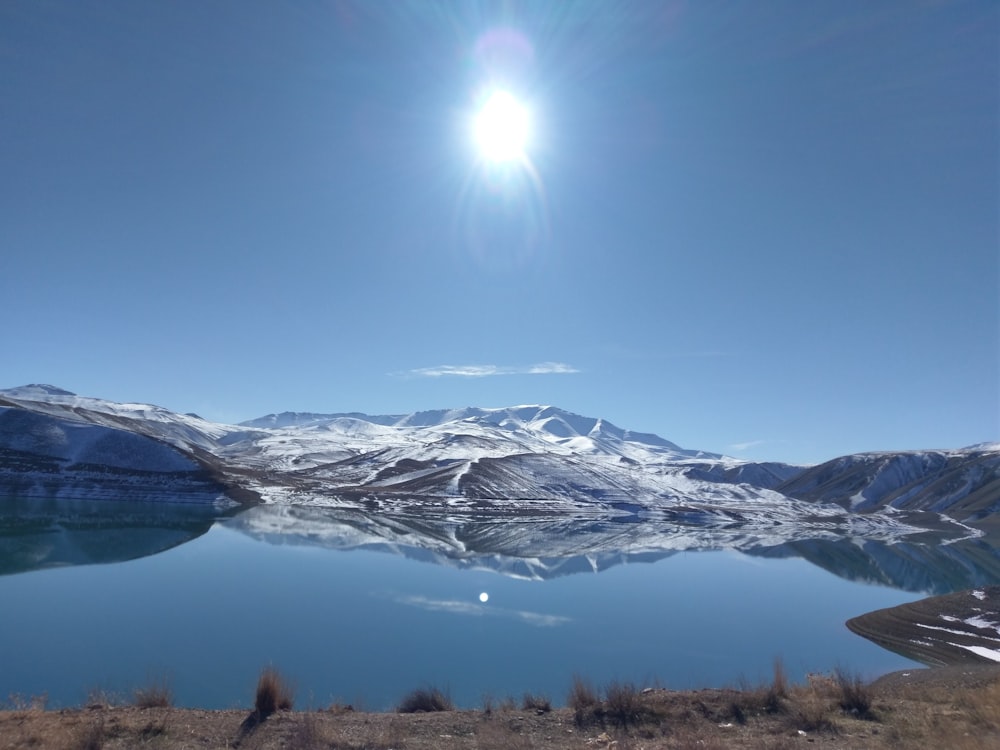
<point x="367" y="626"/>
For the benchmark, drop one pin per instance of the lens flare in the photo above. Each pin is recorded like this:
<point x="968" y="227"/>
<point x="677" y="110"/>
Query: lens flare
<point x="501" y="218"/>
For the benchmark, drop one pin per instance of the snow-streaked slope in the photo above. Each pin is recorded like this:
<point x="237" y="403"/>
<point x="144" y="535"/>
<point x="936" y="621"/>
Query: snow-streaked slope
<point x="527" y="459"/>
<point x="964" y="483"/>
<point x="185" y="431"/>
<point x="80" y="442"/>
<point x="521" y="453"/>
<point x="47" y="456"/>
<point x="527" y="426"/>
<point x="510" y="459"/>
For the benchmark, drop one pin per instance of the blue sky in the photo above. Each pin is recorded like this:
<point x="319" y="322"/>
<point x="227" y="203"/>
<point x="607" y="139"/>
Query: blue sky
<point x="768" y="229"/>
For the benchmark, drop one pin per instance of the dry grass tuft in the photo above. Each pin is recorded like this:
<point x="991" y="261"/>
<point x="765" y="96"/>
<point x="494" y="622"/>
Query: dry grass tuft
<point x="425" y="700"/>
<point x="779" y="683"/>
<point x="622" y="703"/>
<point x="18" y="702"/>
<point x="337" y="709"/>
<point x="506" y="704"/>
<point x="768" y="698"/>
<point x="811" y="709"/>
<point x="855" y="695"/>
<point x="273" y="693"/>
<point x="583" y="700"/>
<point x="538" y="703"/>
<point x="99" y="697"/>
<point x="158" y="694"/>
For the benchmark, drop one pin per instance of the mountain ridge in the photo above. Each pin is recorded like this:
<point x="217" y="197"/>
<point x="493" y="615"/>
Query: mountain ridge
<point x="558" y="422"/>
<point x="523" y="459"/>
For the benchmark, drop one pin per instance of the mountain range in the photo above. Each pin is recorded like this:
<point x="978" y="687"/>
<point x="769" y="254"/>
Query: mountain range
<point x="526" y="491"/>
<point x="514" y="461"/>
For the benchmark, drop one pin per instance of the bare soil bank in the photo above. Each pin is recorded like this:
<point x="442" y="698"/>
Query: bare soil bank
<point x="953" y="629"/>
<point x="957" y="708"/>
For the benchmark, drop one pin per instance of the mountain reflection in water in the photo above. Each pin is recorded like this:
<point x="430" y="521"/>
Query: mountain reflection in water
<point x="544" y="547"/>
<point x="45" y="533"/>
<point x="270" y="585"/>
<point x="37" y="534"/>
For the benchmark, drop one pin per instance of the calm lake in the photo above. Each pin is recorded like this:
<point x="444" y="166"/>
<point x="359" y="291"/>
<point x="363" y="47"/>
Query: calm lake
<point x="204" y="603"/>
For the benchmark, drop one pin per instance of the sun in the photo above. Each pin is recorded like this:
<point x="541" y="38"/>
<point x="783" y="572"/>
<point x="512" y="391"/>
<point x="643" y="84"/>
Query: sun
<point x="502" y="128"/>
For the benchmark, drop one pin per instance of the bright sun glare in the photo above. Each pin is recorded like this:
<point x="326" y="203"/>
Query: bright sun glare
<point x="502" y="127"/>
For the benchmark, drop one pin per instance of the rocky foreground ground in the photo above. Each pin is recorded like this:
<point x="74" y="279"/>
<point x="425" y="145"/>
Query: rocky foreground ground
<point x="952" y="707"/>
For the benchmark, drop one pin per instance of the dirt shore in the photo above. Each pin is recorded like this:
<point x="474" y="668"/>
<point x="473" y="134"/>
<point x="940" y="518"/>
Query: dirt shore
<point x="954" y="629"/>
<point x="958" y="708"/>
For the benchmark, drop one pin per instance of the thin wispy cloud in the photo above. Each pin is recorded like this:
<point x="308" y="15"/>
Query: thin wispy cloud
<point x="485" y="371"/>
<point x="481" y="610"/>
<point x="551" y="368"/>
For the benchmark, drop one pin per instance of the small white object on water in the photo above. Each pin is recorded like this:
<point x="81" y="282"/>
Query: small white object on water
<point x="484" y="597"/>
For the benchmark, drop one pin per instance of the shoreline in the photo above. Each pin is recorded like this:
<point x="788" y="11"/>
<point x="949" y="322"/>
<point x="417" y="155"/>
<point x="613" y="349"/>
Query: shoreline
<point x="958" y="707"/>
<point x="958" y="629"/>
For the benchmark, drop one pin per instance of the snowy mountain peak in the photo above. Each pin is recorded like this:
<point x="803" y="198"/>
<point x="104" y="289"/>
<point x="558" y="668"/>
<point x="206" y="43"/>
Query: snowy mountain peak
<point x="983" y="447"/>
<point x="540" y="424"/>
<point x="524" y="457"/>
<point x="35" y="390"/>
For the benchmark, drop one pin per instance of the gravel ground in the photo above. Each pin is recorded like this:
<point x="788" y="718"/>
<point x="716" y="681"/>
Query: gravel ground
<point x="956" y="707"/>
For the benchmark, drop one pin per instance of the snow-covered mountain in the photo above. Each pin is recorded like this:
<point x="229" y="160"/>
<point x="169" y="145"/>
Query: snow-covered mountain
<point x="963" y="484"/>
<point x="514" y="461"/>
<point x="54" y="453"/>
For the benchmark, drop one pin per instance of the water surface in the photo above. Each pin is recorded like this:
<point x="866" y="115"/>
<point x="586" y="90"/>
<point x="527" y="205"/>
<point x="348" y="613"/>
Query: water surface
<point x="365" y="625"/>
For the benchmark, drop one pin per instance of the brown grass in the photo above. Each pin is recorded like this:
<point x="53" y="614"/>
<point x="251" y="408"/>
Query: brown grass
<point x="157" y="694"/>
<point x="539" y="703"/>
<point x="766" y="698"/>
<point x="855" y="696"/>
<point x="273" y="693"/>
<point x="582" y="699"/>
<point x="18" y="702"/>
<point x="492" y="705"/>
<point x="425" y="700"/>
<point x="623" y="704"/>
<point x="779" y="682"/>
<point x="812" y="708"/>
<point x="956" y="711"/>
